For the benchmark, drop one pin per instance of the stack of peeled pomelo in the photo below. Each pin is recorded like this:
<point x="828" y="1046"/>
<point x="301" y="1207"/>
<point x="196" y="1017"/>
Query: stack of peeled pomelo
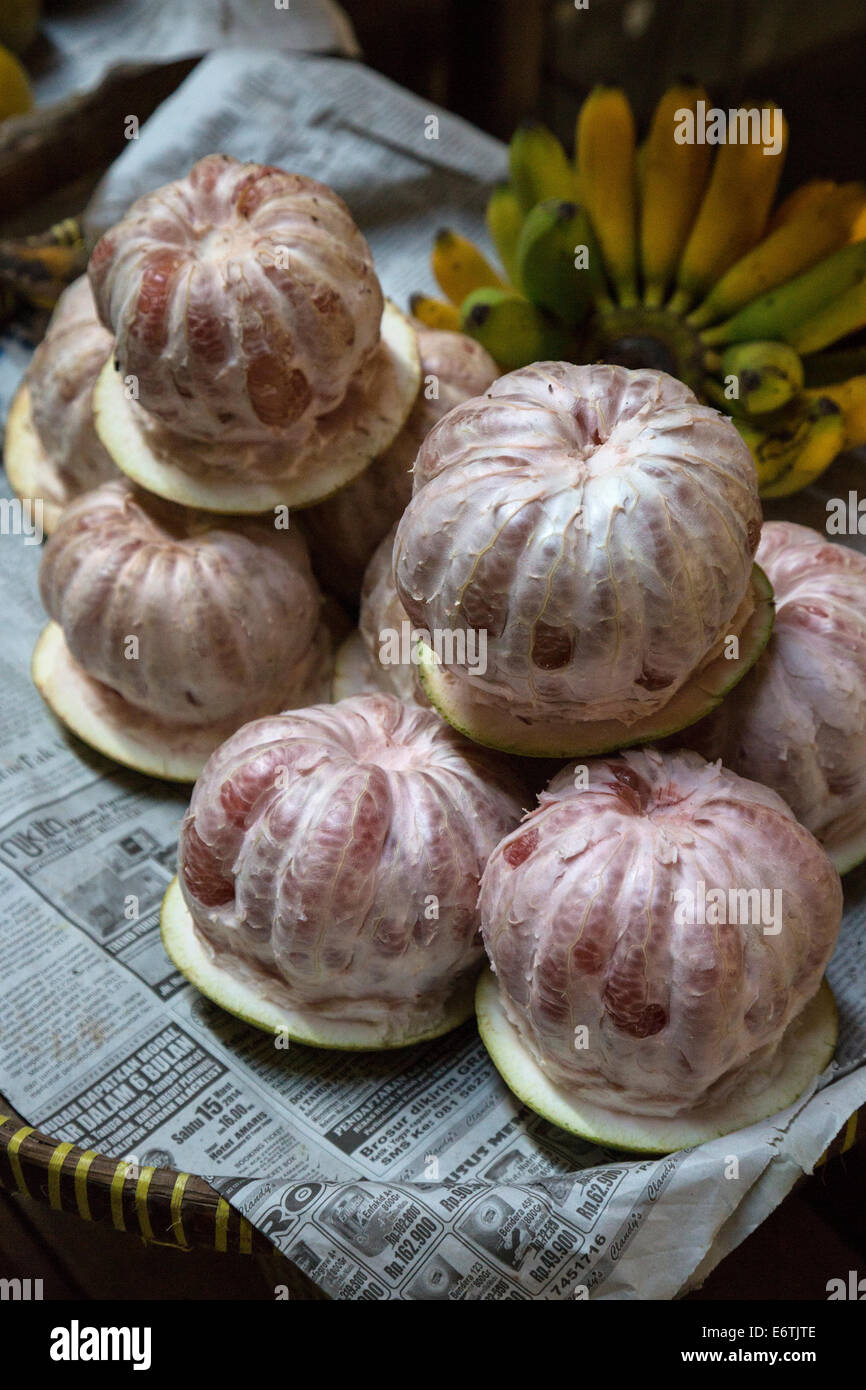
<point x="566" y="609"/>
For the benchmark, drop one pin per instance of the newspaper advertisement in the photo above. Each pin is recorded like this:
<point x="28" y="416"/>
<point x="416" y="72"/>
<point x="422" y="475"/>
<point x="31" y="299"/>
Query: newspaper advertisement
<point x="411" y="1175"/>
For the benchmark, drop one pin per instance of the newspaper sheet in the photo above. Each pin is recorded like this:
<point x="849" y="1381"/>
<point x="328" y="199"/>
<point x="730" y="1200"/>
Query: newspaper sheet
<point x="81" y="45"/>
<point x="408" y="1175"/>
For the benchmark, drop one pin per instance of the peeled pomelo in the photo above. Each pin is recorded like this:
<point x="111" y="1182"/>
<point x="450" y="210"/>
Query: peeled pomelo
<point x="243" y="301"/>
<point x="328" y="872"/>
<point x="52" y="453"/>
<point x="584" y="536"/>
<point x="172" y="628"/>
<point x="797" y="723"/>
<point x="659" y="929"/>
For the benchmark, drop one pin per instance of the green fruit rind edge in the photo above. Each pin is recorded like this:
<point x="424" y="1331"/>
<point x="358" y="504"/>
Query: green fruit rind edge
<point x="247" y="1000"/>
<point x="356" y="439"/>
<point x="807" y="1046"/>
<point x="495" y="728"/>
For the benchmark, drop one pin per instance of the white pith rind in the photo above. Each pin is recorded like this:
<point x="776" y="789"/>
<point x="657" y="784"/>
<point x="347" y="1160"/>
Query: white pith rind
<point x="198" y="962"/>
<point x="807" y="1047"/>
<point x="30" y="474"/>
<point x="104" y="720"/>
<point x="495" y="727"/>
<point x="349" y="446"/>
<point x="355" y="672"/>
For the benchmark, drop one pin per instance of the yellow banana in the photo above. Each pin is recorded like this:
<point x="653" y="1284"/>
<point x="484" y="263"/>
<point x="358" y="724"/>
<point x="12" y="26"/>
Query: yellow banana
<point x="539" y="166"/>
<point x="836" y="319"/>
<point x="435" y="313"/>
<point x="858" y="229"/>
<point x="850" y="396"/>
<point x="732" y="216"/>
<point x="780" y="313"/>
<point x="460" y="267"/>
<point x="605" y="144"/>
<point x="822" y="226"/>
<point x="798" y="450"/>
<point x="767" y="377"/>
<point x="802" y="197"/>
<point x="673" y="182"/>
<point x="504" y="220"/>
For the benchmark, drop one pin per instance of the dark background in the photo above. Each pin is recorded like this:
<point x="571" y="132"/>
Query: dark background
<point x="496" y="61"/>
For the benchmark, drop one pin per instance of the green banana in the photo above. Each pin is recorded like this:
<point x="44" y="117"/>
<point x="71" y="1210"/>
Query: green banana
<point x="504" y="219"/>
<point x="768" y="376"/>
<point x="780" y="313"/>
<point x="512" y="330"/>
<point x="558" y="262"/>
<point x="539" y="166"/>
<point x="844" y="314"/>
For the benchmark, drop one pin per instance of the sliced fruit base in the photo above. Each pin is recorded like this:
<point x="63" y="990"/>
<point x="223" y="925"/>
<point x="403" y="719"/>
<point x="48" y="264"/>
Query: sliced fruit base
<point x="496" y="727"/>
<point x="104" y="720"/>
<point x="28" y="469"/>
<point x="807" y="1048"/>
<point x="347" y="439"/>
<point x="248" y="998"/>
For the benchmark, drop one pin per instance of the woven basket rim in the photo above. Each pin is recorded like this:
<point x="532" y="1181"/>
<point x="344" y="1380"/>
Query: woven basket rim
<point x="162" y="1205"/>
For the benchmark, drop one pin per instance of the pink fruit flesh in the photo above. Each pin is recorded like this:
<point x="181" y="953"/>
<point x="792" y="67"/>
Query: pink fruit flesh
<point x="339" y="848"/>
<point x="597" y="523"/>
<point x="592" y="919"/>
<point x="798" y="721"/>
<point x="192" y="618"/>
<point x="243" y="300"/>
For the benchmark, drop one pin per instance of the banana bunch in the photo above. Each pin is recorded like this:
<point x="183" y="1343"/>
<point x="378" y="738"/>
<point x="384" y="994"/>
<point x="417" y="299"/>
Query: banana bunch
<point x="671" y="254"/>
